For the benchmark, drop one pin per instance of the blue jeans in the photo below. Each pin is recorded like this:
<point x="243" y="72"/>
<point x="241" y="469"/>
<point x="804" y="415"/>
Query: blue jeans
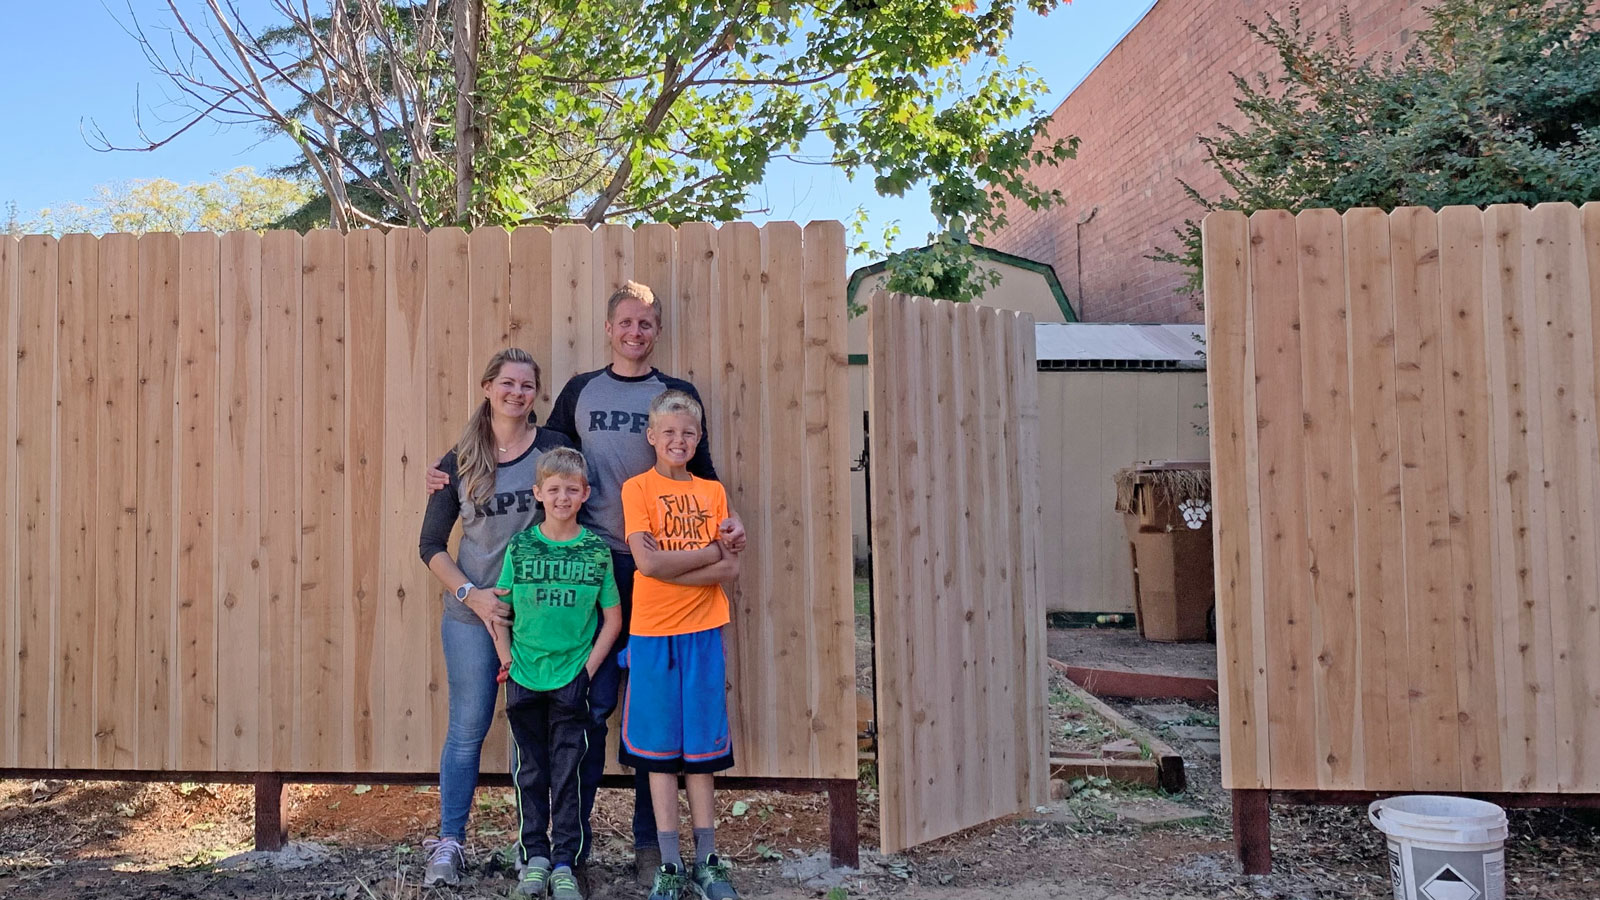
<point x="472" y="665"/>
<point x="604" y="691"/>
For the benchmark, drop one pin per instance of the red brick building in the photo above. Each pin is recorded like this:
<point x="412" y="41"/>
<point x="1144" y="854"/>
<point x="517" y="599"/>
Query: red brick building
<point x="1138" y="115"/>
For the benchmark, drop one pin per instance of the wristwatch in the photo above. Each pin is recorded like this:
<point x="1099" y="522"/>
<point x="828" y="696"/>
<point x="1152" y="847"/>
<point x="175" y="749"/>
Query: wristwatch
<point x="463" y="591"/>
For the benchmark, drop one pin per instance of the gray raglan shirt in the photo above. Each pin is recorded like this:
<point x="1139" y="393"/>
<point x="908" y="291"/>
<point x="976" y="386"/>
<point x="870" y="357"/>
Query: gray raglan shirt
<point x="606" y="414"/>
<point x="486" y="530"/>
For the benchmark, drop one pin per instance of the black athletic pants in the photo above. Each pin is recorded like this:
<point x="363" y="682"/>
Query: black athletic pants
<point x="549" y="734"/>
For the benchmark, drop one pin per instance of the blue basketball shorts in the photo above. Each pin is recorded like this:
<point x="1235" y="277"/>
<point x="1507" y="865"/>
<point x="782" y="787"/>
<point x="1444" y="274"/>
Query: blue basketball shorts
<point x="675" y="711"/>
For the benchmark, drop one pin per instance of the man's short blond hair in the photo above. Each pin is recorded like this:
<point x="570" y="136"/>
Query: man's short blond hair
<point x="633" y="290"/>
<point x="563" y="461"/>
<point x="673" y="402"/>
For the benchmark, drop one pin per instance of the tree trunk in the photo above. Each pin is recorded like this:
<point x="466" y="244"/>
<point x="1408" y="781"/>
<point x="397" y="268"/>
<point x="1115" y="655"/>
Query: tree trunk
<point x="467" y="22"/>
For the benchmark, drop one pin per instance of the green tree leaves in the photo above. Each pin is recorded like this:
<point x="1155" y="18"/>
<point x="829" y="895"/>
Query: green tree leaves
<point x="1497" y="101"/>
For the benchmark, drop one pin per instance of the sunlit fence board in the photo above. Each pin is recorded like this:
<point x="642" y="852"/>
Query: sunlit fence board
<point x="960" y="658"/>
<point x="1406" y="445"/>
<point x="211" y="480"/>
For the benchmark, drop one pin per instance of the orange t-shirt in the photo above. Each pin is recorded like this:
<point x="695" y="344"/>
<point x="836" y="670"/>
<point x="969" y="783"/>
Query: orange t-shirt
<point x="681" y="515"/>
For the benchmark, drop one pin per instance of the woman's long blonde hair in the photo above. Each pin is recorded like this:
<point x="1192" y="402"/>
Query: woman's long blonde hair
<point x="475" y="452"/>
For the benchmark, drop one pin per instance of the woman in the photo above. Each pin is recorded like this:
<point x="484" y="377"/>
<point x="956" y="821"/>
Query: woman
<point x="490" y="490"/>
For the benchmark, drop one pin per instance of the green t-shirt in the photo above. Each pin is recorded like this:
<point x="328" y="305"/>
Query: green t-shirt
<point x="557" y="591"/>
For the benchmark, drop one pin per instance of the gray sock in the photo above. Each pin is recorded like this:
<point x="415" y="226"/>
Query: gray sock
<point x="669" y="849"/>
<point x="705" y="843"/>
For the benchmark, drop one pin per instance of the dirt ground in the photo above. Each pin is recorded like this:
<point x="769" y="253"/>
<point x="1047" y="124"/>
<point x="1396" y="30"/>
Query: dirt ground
<point x="1122" y="649"/>
<point x="78" y="841"/>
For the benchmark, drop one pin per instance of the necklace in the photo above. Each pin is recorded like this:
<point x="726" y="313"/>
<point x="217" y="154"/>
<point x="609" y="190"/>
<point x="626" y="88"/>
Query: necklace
<point x="513" y="445"/>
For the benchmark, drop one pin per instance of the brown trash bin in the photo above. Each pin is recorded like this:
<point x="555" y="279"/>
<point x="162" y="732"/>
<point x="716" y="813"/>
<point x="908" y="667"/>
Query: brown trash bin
<point x="1167" y="514"/>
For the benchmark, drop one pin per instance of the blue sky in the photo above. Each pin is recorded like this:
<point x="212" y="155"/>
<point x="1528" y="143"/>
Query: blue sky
<point x="45" y="160"/>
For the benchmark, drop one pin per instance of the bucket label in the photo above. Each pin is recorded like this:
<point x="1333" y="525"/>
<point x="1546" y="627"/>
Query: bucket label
<point x="1448" y="884"/>
<point x="1494" y="876"/>
<point x="1454" y="874"/>
<point x="1396" y="873"/>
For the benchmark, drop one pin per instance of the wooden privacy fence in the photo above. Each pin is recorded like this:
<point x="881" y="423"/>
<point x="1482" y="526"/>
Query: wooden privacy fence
<point x="959" y="623"/>
<point x="1407" y="483"/>
<point x="211" y="465"/>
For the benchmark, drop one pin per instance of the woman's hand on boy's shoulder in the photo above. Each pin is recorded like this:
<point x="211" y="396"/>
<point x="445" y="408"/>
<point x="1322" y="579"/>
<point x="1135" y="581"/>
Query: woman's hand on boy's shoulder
<point x="435" y="479"/>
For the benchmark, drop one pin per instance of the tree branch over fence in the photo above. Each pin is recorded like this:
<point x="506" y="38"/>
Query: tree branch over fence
<point x="469" y="112"/>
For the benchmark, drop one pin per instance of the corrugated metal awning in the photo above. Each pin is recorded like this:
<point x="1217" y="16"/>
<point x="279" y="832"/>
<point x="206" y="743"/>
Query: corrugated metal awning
<point x="1094" y="345"/>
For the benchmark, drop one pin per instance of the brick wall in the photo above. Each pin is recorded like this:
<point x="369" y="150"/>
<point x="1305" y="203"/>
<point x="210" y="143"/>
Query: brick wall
<point x="1138" y="115"/>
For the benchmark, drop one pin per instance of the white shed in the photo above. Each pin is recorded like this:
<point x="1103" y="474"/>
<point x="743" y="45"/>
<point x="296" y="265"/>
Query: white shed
<point x="1110" y="395"/>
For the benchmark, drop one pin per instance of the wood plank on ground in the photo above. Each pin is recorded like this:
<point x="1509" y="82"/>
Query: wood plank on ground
<point x="116" y="402"/>
<point x="77" y="360"/>
<point x="241" y="394"/>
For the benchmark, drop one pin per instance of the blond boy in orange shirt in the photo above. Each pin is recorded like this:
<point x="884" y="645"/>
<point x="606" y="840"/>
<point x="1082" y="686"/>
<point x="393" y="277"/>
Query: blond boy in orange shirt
<point x="674" y="715"/>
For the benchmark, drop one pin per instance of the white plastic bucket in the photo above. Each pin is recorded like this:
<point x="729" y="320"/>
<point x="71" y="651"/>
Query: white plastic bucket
<point x="1443" y="848"/>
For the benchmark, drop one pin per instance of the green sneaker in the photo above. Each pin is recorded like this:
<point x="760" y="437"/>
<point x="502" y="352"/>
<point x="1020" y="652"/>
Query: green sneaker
<point x="564" y="885"/>
<point x="669" y="884"/>
<point x="712" y="881"/>
<point x="535" y="878"/>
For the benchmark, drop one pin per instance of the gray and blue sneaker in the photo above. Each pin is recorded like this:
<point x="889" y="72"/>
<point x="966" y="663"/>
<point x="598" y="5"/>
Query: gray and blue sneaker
<point x="711" y="879"/>
<point x="564" y="884"/>
<point x="445" y="861"/>
<point x="670" y="884"/>
<point x="535" y="879"/>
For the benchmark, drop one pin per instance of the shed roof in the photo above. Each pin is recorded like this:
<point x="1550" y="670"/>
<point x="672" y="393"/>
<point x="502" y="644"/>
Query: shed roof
<point x="1096" y="345"/>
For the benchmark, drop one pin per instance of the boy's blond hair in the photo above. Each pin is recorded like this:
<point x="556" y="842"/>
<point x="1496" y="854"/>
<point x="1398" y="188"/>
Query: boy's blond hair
<point x="562" y="461"/>
<point x="633" y="290"/>
<point x="674" y="401"/>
